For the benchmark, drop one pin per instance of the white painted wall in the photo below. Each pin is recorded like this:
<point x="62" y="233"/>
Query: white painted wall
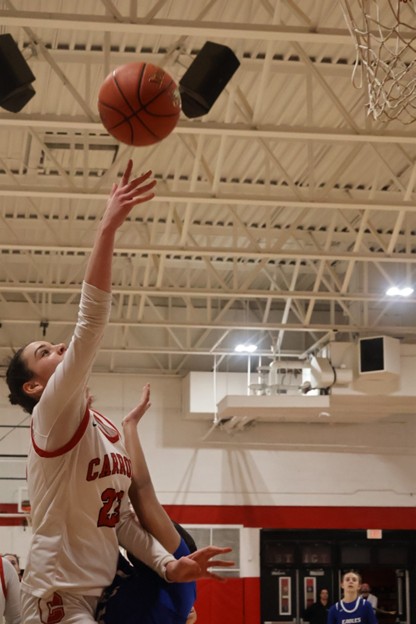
<point x="270" y="464"/>
<point x="15" y="540"/>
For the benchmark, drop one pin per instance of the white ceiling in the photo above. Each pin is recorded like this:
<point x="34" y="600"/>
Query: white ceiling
<point x="281" y="216"/>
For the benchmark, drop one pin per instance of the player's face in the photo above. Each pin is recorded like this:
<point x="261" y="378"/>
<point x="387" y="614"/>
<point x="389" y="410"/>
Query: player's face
<point x="324" y="595"/>
<point x="350" y="582"/>
<point x="42" y="358"/>
<point x="14" y="563"/>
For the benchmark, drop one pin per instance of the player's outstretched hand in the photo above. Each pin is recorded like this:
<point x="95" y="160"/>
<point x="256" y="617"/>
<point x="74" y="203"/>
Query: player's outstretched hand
<point x="196" y="565"/>
<point x="127" y="194"/>
<point x="135" y="415"/>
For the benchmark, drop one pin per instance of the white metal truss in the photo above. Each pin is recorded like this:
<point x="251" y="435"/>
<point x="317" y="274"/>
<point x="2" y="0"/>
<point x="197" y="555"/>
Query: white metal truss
<point x="281" y="216"/>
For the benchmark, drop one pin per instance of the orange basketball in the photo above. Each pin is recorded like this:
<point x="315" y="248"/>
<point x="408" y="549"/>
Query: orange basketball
<point x="139" y="103"/>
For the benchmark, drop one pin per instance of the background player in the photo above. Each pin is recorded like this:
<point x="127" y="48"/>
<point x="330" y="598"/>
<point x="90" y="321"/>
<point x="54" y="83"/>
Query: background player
<point x="137" y="595"/>
<point x="352" y="608"/>
<point x="10" y="608"/>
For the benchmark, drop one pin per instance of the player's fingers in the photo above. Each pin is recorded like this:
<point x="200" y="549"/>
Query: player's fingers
<point x="130" y="201"/>
<point x="127" y="172"/>
<point x="135" y="192"/>
<point x="219" y="549"/>
<point x="141" y="178"/>
<point x="146" y="392"/>
<point x="211" y="551"/>
<point x="140" y="199"/>
<point x="220" y="563"/>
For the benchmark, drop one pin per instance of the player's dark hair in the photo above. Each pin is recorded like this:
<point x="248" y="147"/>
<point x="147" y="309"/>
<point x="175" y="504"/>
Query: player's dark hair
<point x="16" y="375"/>
<point x="12" y="555"/>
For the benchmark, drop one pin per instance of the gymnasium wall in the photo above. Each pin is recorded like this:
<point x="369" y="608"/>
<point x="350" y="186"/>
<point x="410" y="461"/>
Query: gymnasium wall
<point x="271" y="464"/>
<point x="276" y="475"/>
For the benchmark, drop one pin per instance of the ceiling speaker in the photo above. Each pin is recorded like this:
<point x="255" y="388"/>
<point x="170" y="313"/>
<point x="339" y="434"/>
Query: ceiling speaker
<point x="15" y="76"/>
<point x="206" y="78"/>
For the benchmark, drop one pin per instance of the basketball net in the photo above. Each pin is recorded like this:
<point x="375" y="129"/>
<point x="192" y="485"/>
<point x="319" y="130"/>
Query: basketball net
<point x="385" y="41"/>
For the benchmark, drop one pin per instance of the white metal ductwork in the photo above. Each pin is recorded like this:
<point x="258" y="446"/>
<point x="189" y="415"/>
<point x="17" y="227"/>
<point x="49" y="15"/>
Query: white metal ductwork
<point x="330" y="387"/>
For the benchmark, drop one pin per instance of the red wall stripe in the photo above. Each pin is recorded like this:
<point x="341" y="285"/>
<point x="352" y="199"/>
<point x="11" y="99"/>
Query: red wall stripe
<point x="11" y="508"/>
<point x="269" y="517"/>
<point x="403" y="518"/>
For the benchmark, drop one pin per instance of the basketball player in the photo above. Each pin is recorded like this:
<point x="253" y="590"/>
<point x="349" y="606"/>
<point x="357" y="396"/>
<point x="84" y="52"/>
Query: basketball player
<point x="9" y="593"/>
<point x="78" y="469"/>
<point x="352" y="609"/>
<point x="137" y="595"/>
<point x="14" y="560"/>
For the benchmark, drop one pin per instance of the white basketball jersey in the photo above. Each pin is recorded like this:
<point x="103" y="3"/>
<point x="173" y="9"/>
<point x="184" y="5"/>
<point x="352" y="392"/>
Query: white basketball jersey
<point x="79" y="476"/>
<point x="79" y="497"/>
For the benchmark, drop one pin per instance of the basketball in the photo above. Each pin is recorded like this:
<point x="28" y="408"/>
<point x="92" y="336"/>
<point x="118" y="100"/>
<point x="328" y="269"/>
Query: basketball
<point x="139" y="104"/>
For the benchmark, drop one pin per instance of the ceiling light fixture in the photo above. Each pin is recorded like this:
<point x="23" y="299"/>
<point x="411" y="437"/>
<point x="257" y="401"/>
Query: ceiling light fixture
<point x="394" y="291"/>
<point x="245" y="348"/>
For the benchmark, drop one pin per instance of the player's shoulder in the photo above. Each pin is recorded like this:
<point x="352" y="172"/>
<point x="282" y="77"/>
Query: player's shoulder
<point x="7" y="566"/>
<point x="9" y="572"/>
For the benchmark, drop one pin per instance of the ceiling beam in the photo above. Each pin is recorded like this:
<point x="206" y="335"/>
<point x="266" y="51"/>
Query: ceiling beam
<point x="159" y="27"/>
<point x="220" y="200"/>
<point x="197" y="253"/>
<point x="210" y="293"/>
<point x="289" y="133"/>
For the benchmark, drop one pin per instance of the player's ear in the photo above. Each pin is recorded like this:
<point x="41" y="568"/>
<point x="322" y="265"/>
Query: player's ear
<point x="32" y="388"/>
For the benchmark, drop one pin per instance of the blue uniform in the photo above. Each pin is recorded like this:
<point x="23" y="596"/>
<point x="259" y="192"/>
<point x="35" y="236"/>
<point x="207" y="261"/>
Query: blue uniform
<point x="359" y="611"/>
<point x="139" y="596"/>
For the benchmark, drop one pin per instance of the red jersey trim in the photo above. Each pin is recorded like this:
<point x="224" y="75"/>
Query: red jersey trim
<point x="107" y="427"/>
<point x="2" y="577"/>
<point x="69" y="445"/>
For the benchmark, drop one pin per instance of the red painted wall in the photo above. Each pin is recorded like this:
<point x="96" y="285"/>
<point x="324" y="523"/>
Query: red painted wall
<point x="403" y="518"/>
<point x="237" y="601"/>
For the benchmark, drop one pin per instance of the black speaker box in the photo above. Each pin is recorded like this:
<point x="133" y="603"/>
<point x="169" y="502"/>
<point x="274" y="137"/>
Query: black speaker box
<point x="371" y="354"/>
<point x="206" y="78"/>
<point x="15" y="76"/>
<point x="380" y="355"/>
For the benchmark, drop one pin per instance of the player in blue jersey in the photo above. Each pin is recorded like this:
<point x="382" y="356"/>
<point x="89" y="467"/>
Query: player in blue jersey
<point x="137" y="595"/>
<point x="352" y="608"/>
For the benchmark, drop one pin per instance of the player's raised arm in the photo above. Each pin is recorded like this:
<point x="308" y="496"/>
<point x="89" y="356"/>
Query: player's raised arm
<point x="150" y="512"/>
<point x="124" y="196"/>
<point x="152" y="515"/>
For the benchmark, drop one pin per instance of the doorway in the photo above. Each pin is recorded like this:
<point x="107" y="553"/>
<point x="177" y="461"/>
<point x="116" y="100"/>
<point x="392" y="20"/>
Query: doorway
<point x="296" y="565"/>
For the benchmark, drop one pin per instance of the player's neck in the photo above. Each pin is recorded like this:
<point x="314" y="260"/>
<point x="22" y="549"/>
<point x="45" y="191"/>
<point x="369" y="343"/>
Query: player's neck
<point x="350" y="596"/>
